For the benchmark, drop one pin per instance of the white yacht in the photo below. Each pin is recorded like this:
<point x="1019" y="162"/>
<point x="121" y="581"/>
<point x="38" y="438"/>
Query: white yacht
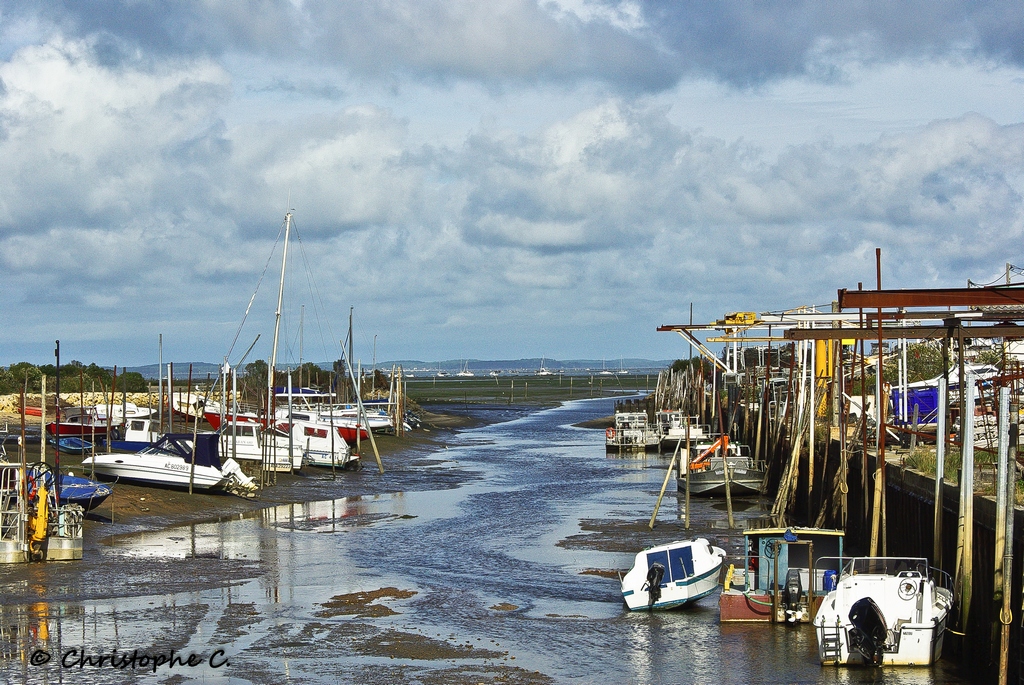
<point x="884" y="611"/>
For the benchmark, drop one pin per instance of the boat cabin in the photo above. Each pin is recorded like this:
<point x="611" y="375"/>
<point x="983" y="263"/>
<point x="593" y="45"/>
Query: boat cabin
<point x="786" y="573"/>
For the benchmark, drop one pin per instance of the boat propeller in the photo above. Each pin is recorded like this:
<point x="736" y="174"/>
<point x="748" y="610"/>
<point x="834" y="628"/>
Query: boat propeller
<point x="654" y="575"/>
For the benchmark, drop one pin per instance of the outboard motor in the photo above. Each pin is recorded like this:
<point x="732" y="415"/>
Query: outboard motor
<point x="868" y="633"/>
<point x="654" y="575"/>
<point x="791" y="596"/>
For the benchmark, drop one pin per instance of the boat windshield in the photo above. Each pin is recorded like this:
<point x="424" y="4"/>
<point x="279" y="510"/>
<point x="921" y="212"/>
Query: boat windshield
<point x="887" y="566"/>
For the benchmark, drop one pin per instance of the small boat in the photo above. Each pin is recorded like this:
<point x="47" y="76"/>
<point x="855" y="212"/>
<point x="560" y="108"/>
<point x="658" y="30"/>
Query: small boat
<point x="84" y="423"/>
<point x="672" y="575"/>
<point x="707" y="469"/>
<point x="71" y="444"/>
<point x="672" y="427"/>
<point x="884" y="611"/>
<point x="36" y="527"/>
<point x="84" y="492"/>
<point x="784" y="575"/>
<point x="138" y="435"/>
<point x="631" y="433"/>
<point x="169" y="462"/>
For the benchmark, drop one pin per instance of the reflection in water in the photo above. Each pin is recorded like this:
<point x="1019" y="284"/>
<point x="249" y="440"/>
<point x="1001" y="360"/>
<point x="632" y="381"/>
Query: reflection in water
<point x="476" y="582"/>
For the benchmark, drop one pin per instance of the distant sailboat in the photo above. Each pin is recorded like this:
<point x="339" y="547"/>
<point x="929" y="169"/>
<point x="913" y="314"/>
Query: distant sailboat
<point x="604" y="370"/>
<point x="465" y="372"/>
<point x="543" y="371"/>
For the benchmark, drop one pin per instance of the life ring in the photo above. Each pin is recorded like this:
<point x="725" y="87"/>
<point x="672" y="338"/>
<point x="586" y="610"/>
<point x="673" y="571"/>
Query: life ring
<point x="907" y="589"/>
<point x="609" y="433"/>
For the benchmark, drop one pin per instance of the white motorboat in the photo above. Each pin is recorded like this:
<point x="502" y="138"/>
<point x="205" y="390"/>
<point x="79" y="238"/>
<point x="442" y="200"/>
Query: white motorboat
<point x="884" y="611"/>
<point x="672" y="575"/>
<point x="168" y="462"/>
<point x="138" y="434"/>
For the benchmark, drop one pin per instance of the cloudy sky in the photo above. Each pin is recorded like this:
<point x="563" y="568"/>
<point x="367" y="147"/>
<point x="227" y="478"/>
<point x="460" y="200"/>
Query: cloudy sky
<point x="494" y="179"/>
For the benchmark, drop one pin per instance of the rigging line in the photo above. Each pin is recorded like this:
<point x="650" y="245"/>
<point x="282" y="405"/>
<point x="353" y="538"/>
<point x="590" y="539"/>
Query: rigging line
<point x="317" y="297"/>
<point x="998" y="279"/>
<point x="251" y="299"/>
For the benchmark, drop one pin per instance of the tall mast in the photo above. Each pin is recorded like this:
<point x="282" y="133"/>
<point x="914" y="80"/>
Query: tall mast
<point x="277" y="320"/>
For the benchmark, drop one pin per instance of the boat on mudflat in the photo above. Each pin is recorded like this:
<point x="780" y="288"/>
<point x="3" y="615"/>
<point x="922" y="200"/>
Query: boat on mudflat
<point x="672" y="575"/>
<point x="169" y="462"/>
<point x="72" y="444"/>
<point x="884" y="611"/>
<point x="84" y="492"/>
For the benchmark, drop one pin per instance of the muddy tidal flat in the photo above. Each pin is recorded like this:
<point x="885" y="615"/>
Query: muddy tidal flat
<point x="486" y="553"/>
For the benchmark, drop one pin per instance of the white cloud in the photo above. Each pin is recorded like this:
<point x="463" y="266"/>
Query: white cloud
<point x="131" y="205"/>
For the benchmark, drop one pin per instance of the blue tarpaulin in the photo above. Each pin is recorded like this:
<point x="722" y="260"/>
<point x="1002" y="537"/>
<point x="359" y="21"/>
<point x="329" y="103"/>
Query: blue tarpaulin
<point x="927" y="401"/>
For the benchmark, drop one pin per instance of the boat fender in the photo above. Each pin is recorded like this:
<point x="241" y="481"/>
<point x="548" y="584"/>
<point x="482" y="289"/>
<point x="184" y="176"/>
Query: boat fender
<point x="653" y="586"/>
<point x="609" y="433"/>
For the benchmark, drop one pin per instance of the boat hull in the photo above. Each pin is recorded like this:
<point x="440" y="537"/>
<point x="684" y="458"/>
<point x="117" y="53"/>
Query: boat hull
<point x="712" y="484"/>
<point x="689" y="571"/>
<point x="154" y="470"/>
<point x="875" y="616"/>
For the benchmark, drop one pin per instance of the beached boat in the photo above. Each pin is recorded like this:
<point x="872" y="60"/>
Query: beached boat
<point x="84" y="492"/>
<point x="884" y="611"/>
<point x="138" y="435"/>
<point x="71" y="444"/>
<point x="248" y="443"/>
<point x="33" y="525"/>
<point x="169" y="462"/>
<point x="672" y="575"/>
<point x="84" y="422"/>
<point x="784" y="573"/>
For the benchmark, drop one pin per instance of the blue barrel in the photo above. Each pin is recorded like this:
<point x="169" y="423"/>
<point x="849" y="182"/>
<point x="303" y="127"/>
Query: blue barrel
<point x="829" y="580"/>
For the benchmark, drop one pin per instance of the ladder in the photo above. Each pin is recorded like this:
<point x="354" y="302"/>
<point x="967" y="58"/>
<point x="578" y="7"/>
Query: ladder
<point x="831" y="644"/>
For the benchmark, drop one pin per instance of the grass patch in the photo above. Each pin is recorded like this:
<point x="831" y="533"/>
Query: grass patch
<point x="538" y="390"/>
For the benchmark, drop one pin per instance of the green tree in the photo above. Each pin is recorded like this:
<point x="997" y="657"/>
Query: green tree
<point x="23" y="370"/>
<point x="924" y="361"/>
<point x="256" y="374"/>
<point x="131" y="381"/>
<point x="309" y="374"/>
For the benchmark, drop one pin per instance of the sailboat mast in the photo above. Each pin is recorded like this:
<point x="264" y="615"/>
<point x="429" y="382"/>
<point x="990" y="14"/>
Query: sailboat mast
<point x="277" y="320"/>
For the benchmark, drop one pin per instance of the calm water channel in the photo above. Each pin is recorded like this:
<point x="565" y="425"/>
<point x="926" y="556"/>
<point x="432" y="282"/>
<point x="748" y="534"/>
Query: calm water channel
<point x="485" y="581"/>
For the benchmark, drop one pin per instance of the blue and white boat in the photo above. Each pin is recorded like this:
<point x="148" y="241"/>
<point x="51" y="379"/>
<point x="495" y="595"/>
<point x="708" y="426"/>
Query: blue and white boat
<point x="84" y="492"/>
<point x="71" y="444"/>
<point x="673" y="575"/>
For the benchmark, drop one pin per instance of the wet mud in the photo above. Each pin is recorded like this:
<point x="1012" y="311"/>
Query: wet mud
<point x="485" y="555"/>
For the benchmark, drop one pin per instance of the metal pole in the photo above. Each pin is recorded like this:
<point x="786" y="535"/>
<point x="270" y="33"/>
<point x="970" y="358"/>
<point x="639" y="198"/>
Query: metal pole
<point x="56" y="446"/>
<point x="291" y="446"/>
<point x="160" y="385"/>
<point x="941" y="435"/>
<point x="1004" y="534"/>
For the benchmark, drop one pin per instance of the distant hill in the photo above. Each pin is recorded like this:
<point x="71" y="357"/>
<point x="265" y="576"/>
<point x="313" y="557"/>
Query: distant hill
<point x="200" y="370"/>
